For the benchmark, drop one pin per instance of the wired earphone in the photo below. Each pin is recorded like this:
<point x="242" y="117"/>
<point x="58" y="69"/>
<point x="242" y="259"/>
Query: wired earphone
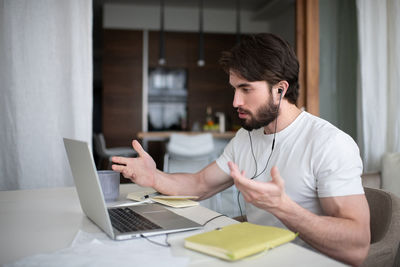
<point x="255" y="175"/>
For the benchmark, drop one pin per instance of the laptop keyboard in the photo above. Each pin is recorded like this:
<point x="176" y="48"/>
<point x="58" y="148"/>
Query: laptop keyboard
<point x="126" y="220"/>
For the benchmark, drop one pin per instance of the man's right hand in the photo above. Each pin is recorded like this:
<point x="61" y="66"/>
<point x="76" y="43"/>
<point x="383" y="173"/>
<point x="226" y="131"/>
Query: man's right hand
<point x="140" y="170"/>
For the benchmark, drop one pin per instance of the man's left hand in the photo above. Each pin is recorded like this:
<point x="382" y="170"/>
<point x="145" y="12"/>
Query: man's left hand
<point x="264" y="195"/>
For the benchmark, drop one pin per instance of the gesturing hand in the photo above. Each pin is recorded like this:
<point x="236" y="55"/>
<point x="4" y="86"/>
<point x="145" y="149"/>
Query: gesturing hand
<point x="264" y="195"/>
<point x="140" y="170"/>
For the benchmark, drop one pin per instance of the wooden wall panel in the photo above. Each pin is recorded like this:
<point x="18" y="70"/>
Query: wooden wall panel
<point x="307" y="49"/>
<point x="207" y="85"/>
<point x="312" y="58"/>
<point x="122" y="79"/>
<point x="122" y="86"/>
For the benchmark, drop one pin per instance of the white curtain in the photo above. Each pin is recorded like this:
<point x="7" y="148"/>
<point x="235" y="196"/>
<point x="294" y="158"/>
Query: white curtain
<point x="379" y="80"/>
<point x="46" y="89"/>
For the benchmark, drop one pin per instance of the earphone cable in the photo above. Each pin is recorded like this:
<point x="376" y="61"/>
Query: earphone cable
<point x="166" y="244"/>
<point x="252" y="153"/>
<point x="213" y="218"/>
<point x="255" y="175"/>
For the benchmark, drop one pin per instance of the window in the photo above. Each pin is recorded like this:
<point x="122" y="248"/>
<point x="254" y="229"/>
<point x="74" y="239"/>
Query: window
<point x="167" y="97"/>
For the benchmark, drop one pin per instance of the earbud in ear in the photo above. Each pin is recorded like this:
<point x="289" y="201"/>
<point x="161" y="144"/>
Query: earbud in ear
<point x="280" y="91"/>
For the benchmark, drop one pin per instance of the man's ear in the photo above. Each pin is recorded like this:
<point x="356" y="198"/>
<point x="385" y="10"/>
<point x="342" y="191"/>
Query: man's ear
<point x="282" y="87"/>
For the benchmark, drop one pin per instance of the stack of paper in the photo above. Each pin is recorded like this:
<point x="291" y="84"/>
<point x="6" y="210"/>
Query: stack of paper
<point x="172" y="201"/>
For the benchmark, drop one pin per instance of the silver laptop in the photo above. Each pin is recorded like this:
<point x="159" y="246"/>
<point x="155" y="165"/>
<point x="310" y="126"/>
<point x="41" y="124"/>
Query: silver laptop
<point x="118" y="222"/>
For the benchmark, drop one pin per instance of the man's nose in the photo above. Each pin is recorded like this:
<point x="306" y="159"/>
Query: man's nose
<point x="237" y="100"/>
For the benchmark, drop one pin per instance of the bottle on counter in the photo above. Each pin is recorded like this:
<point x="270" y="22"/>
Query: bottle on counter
<point x="221" y="121"/>
<point x="209" y="117"/>
<point x="210" y="124"/>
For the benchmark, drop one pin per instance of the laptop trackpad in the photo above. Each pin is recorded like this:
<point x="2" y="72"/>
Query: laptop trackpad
<point x="161" y="216"/>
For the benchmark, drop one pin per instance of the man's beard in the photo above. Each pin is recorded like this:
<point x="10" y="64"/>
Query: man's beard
<point x="264" y="116"/>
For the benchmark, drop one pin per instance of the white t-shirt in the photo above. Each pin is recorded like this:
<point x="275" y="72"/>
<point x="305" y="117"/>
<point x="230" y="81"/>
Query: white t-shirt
<point x="314" y="158"/>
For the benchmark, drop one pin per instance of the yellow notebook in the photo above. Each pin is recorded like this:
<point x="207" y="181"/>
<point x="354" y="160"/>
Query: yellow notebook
<point x="240" y="240"/>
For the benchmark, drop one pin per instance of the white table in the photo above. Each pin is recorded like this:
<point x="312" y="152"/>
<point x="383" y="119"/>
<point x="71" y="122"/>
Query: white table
<point x="46" y="220"/>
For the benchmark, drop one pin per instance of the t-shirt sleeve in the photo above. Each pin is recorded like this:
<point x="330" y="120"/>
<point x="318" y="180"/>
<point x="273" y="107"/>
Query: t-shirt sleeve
<point x="338" y="167"/>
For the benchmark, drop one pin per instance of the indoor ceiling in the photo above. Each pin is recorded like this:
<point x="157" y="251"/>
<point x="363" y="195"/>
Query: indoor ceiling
<point x="261" y="8"/>
<point x="229" y="4"/>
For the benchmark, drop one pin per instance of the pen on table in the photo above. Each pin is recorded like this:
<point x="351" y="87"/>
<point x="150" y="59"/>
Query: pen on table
<point x="151" y="195"/>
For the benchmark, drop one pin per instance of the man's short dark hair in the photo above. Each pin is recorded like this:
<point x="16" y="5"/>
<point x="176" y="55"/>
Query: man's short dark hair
<point x="264" y="57"/>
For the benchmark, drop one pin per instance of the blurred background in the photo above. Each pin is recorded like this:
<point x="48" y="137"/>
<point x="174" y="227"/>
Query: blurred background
<point x="110" y="71"/>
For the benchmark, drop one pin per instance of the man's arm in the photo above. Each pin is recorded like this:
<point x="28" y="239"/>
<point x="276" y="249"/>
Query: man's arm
<point x="343" y="233"/>
<point x="203" y="184"/>
<point x="142" y="171"/>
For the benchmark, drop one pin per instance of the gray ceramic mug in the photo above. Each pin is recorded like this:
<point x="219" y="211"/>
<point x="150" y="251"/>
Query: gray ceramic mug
<point x="109" y="181"/>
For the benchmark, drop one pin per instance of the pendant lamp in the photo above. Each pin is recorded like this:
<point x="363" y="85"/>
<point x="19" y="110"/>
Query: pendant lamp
<point x="201" y="61"/>
<point x="161" y="57"/>
<point x="237" y="21"/>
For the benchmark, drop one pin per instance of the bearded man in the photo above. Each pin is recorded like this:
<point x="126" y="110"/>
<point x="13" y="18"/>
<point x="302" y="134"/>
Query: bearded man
<point x="293" y="169"/>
